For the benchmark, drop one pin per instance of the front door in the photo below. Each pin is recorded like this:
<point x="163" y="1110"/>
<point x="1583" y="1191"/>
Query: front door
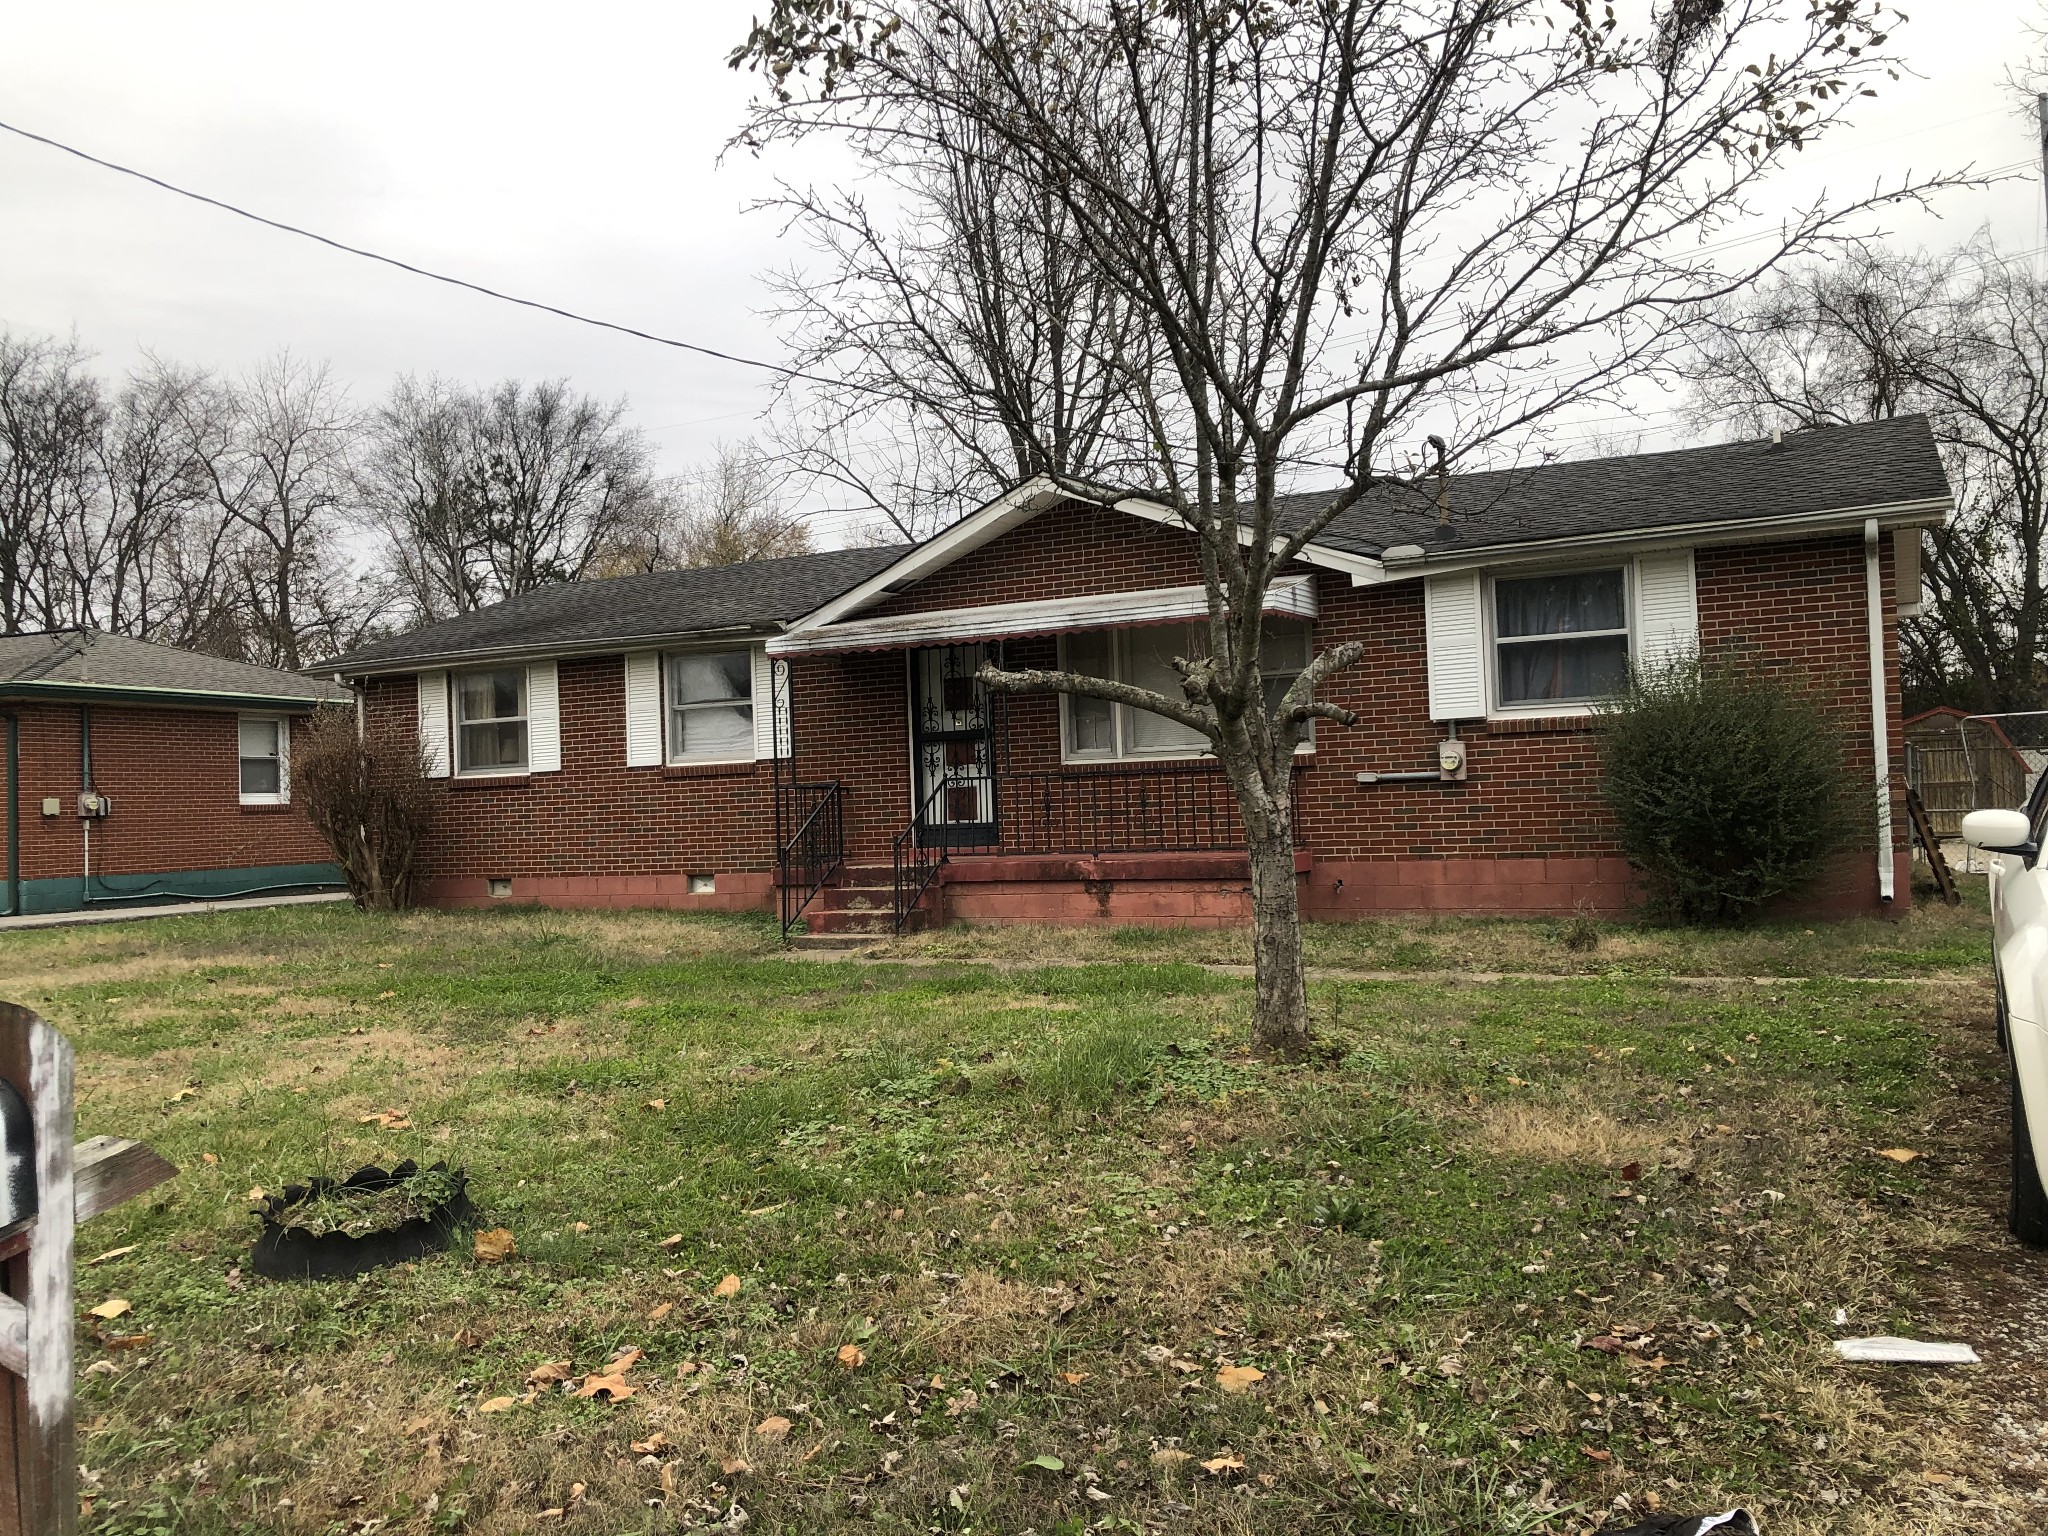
<point x="954" y="741"/>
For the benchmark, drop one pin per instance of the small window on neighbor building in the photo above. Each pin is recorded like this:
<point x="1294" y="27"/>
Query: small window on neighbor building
<point x="263" y="740"/>
<point x="703" y="885"/>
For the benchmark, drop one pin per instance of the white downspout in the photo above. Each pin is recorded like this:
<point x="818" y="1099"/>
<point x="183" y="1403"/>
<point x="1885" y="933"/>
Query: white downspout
<point x="1880" y="721"/>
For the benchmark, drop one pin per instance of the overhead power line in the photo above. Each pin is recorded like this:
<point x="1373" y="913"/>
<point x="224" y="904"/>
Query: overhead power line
<point x="439" y="277"/>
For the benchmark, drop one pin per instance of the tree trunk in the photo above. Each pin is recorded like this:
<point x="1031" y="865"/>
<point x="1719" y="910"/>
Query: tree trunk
<point x="1280" y="1019"/>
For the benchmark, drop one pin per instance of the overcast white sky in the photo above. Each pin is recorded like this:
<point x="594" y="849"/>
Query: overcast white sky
<point x="573" y="154"/>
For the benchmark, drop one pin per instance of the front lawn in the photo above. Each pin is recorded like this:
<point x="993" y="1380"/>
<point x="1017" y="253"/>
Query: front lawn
<point x="1033" y="1246"/>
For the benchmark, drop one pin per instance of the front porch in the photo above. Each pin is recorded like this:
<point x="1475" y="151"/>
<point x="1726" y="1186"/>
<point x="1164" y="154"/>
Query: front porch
<point x="1138" y="843"/>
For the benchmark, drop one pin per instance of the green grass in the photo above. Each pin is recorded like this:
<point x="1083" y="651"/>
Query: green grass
<point x="1048" y="1203"/>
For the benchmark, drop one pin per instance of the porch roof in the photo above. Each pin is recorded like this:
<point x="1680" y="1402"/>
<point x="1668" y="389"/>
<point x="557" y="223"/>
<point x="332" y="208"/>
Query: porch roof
<point x="1288" y="596"/>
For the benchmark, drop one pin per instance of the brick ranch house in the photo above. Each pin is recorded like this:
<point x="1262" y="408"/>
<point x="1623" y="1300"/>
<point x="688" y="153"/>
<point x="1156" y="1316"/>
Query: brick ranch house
<point x="142" y="773"/>
<point x="807" y="733"/>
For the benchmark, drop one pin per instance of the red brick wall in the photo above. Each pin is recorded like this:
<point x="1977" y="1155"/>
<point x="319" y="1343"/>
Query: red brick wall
<point x="597" y="832"/>
<point x="174" y="776"/>
<point x="1527" y="830"/>
<point x="1073" y="550"/>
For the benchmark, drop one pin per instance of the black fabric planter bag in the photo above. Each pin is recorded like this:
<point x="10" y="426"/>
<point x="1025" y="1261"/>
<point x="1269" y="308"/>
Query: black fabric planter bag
<point x="292" y="1253"/>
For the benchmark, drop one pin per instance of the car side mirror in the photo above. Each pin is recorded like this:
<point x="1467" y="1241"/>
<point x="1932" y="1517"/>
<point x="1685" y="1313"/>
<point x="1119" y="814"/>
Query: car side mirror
<point x="2001" y="832"/>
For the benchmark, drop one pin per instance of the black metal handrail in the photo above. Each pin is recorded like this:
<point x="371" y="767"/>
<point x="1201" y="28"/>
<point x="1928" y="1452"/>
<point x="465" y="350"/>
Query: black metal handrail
<point x="815" y="847"/>
<point x="915" y="859"/>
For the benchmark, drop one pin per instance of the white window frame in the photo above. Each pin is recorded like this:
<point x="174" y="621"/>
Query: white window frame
<point x="1119" y="640"/>
<point x="669" y="707"/>
<point x="1551" y="709"/>
<point x="456" y="722"/>
<point x="283" y="794"/>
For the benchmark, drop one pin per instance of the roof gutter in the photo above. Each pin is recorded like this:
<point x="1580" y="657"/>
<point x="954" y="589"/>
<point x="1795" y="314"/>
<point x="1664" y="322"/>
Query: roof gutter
<point x="393" y="666"/>
<point x="34" y="691"/>
<point x="1896" y="514"/>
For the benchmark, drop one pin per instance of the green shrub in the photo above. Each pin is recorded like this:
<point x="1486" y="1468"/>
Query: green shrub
<point x="1726" y="784"/>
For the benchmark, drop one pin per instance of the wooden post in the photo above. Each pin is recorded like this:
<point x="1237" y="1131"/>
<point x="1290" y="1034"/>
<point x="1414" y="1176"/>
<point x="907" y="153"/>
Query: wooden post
<point x="38" y="1456"/>
<point x="35" y="1405"/>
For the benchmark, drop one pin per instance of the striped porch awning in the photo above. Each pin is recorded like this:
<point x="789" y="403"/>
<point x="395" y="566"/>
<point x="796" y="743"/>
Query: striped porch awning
<point x="1288" y="597"/>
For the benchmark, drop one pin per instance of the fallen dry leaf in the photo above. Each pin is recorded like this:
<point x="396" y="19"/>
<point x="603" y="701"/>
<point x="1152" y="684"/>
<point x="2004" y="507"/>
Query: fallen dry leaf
<point x="656" y="1104"/>
<point x="729" y="1286"/>
<point x="111" y="1253"/>
<point x="581" y="1228"/>
<point x="660" y="1310"/>
<point x="673" y="1240"/>
<point x="1075" y="1378"/>
<point x="651" y="1445"/>
<point x="732" y="1466"/>
<point x="112" y="1308"/>
<point x="497" y="1405"/>
<point x="1239" y="1378"/>
<point x="625" y="1360"/>
<point x="386" y="1119"/>
<point x="852" y="1356"/>
<point x="183" y="1094"/>
<point x="495" y="1246"/>
<point x="127" y="1341"/>
<point x="256" y="1192"/>
<point x="1899" y="1154"/>
<point x="549" y="1372"/>
<point x="774" y="1427"/>
<point x="1592" y="1455"/>
<point x="613" y="1385"/>
<point x="208" y="1158"/>
<point x="1630" y="1172"/>
<point x="1229" y="1461"/>
<point x="1170" y="1457"/>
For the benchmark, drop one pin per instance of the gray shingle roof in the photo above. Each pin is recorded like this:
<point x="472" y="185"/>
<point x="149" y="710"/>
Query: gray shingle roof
<point x="78" y="659"/>
<point x="757" y="596"/>
<point x="1828" y="469"/>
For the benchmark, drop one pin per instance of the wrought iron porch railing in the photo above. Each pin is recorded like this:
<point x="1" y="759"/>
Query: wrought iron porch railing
<point x="1172" y="807"/>
<point x="915" y="857"/>
<point x="812" y="849"/>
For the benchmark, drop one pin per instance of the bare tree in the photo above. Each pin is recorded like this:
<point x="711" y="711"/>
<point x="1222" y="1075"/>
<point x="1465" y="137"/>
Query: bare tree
<point x="52" y="411"/>
<point x="275" y="450"/>
<point x="928" y="336"/>
<point x="165" y="544"/>
<point x="416" y="472"/>
<point x="479" y="495"/>
<point x="732" y="509"/>
<point x="1340" y="225"/>
<point x="1961" y="335"/>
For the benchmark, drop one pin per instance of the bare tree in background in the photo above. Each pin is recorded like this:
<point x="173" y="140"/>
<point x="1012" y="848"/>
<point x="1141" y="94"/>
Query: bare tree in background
<point x="275" y="451"/>
<point x="1340" y="225"/>
<point x="1961" y="335"/>
<point x="481" y="494"/>
<point x="732" y="509"/>
<point x="416" y="471"/>
<point x="51" y="414"/>
<point x="926" y="337"/>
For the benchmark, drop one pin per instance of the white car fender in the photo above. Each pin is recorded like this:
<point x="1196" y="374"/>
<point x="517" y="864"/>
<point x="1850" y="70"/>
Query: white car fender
<point x="2030" y="1071"/>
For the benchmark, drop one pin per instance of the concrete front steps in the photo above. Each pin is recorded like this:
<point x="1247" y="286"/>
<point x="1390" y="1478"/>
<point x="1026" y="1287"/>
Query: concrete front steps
<point x="861" y="901"/>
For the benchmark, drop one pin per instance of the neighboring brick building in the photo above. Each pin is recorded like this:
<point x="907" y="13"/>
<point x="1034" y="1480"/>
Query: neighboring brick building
<point x="142" y="773"/>
<point x="695" y="738"/>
